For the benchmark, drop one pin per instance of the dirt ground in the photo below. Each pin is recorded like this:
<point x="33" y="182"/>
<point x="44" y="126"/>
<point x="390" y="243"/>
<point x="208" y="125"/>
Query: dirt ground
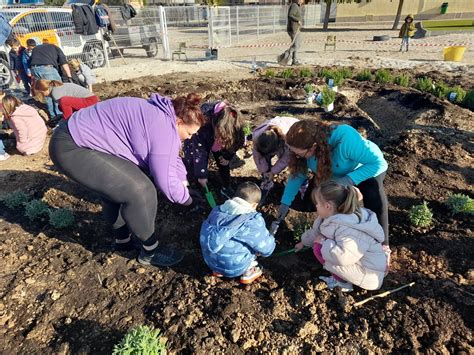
<point x="68" y="292"/>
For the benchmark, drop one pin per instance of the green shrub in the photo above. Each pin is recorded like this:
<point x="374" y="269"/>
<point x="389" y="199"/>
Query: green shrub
<point x="364" y="75"/>
<point x="346" y="73"/>
<point x="288" y="73"/>
<point x="383" y="76"/>
<point x="402" y="80"/>
<point x="306" y="73"/>
<point x="247" y="129"/>
<point x="270" y="73"/>
<point x="460" y="94"/>
<point x="338" y="78"/>
<point x="459" y="203"/>
<point x="141" y="341"/>
<point x="469" y="100"/>
<point x="421" y="215"/>
<point x="309" y="88"/>
<point x="300" y="225"/>
<point x="61" y="218"/>
<point x="327" y="97"/>
<point x="424" y="84"/>
<point x="15" y="199"/>
<point x="325" y="73"/>
<point x="35" y="209"/>
<point x="441" y="89"/>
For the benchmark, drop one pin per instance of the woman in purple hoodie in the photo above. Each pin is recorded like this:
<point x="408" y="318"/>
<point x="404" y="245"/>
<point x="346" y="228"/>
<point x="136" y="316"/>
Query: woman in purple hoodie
<point x="105" y="148"/>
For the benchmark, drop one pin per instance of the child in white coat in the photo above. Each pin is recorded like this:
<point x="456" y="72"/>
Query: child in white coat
<point x="346" y="239"/>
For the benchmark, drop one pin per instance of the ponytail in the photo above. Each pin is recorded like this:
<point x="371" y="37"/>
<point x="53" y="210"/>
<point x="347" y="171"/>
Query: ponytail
<point x="351" y="204"/>
<point x="229" y="128"/>
<point x="344" y="198"/>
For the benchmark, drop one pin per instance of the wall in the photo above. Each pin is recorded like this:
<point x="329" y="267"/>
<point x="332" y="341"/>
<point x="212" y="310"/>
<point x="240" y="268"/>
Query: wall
<point x="385" y="10"/>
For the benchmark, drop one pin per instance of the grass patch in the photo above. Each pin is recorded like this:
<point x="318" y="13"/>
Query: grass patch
<point x="364" y="75"/>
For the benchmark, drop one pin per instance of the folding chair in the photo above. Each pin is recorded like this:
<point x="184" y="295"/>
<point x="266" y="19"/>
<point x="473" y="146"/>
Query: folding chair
<point x="180" y="51"/>
<point x="330" y="41"/>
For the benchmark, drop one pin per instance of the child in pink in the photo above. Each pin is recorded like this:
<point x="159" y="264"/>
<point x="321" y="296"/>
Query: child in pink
<point x="28" y="126"/>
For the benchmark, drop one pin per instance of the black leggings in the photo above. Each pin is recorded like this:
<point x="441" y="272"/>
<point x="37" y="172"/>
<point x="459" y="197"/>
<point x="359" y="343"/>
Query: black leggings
<point x="224" y="170"/>
<point x="129" y="196"/>
<point x="375" y="200"/>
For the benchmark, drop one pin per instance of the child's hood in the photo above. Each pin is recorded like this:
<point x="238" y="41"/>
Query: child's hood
<point x="24" y="110"/>
<point x="410" y="16"/>
<point x="368" y="224"/>
<point x="165" y="105"/>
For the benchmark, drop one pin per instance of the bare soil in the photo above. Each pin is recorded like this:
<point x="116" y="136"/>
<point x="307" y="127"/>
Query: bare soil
<point x="68" y="292"/>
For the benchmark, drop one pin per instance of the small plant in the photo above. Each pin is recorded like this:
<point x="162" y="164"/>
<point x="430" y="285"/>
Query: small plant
<point x="338" y="78"/>
<point x="306" y="73"/>
<point x="15" y="199"/>
<point x="325" y="73"/>
<point x="327" y="97"/>
<point x="421" y="215"/>
<point x="309" y="88"/>
<point x="270" y="73"/>
<point x="441" y="89"/>
<point x="288" y="73"/>
<point x="35" y="209"/>
<point x="364" y="75"/>
<point x="141" y="341"/>
<point x="346" y="73"/>
<point x="247" y="129"/>
<point x="383" y="76"/>
<point x="459" y="96"/>
<point x="61" y="218"/>
<point x="469" y="100"/>
<point x="300" y="225"/>
<point x="402" y="80"/>
<point x="459" y="203"/>
<point x="424" y="84"/>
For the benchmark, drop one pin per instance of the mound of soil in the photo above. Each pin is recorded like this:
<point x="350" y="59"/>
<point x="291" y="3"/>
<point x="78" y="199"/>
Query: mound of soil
<point x="68" y="292"/>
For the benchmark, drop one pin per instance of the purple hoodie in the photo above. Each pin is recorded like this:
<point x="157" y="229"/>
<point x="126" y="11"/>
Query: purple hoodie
<point x="141" y="131"/>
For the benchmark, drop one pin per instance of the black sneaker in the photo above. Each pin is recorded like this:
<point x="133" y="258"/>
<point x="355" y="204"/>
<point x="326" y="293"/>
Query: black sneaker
<point x="133" y="244"/>
<point x="227" y="192"/>
<point x="161" y="256"/>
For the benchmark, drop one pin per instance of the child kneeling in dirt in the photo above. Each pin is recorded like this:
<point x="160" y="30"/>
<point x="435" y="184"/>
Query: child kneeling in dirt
<point x="234" y="235"/>
<point x="346" y="239"/>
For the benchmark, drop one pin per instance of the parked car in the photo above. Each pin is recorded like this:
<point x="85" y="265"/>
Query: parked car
<point x="5" y="73"/>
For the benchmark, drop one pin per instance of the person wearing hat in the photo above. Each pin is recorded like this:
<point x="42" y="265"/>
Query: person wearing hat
<point x="406" y="32"/>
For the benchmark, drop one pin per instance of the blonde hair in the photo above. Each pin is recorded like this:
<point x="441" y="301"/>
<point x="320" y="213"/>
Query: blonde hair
<point x="344" y="198"/>
<point x="75" y="64"/>
<point x="43" y="87"/>
<point x="10" y="103"/>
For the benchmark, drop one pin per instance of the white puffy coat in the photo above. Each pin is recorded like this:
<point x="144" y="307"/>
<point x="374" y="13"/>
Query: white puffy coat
<point x="352" y="248"/>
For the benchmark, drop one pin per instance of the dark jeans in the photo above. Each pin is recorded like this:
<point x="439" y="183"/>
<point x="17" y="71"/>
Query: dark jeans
<point x="129" y="196"/>
<point x="375" y="200"/>
<point x="224" y="170"/>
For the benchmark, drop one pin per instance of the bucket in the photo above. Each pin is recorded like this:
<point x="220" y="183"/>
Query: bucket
<point x="454" y="53"/>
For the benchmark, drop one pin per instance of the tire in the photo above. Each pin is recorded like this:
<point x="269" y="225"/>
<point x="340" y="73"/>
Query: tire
<point x="152" y="48"/>
<point x="381" y="38"/>
<point x="6" y="77"/>
<point x="94" y="55"/>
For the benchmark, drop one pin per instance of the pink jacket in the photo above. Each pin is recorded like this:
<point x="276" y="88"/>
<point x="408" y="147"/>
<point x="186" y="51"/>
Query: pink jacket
<point x="284" y="123"/>
<point x="30" y="130"/>
<point x="352" y="248"/>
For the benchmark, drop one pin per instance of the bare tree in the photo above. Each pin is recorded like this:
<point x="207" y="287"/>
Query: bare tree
<point x="328" y="8"/>
<point x="399" y="14"/>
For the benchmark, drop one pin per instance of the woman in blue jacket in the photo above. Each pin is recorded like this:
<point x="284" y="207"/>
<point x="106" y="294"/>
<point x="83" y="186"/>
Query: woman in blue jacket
<point x="338" y="153"/>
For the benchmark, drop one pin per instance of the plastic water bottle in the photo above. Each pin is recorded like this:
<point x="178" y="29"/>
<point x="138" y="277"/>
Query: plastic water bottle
<point x="254" y="64"/>
<point x="452" y="96"/>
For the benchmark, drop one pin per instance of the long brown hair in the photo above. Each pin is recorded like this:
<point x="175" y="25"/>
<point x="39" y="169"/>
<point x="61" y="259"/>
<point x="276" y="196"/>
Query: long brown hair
<point x="271" y="141"/>
<point x="305" y="134"/>
<point x="344" y="198"/>
<point x="188" y="108"/>
<point x="229" y="127"/>
<point x="10" y="103"/>
<point x="42" y="87"/>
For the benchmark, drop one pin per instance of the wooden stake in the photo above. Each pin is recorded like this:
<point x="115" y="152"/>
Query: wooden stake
<point x="383" y="294"/>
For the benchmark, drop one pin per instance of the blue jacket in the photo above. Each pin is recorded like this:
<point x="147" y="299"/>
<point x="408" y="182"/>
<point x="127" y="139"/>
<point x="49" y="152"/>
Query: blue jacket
<point x="16" y="59"/>
<point x="230" y="239"/>
<point x="351" y="155"/>
<point x="5" y="29"/>
<point x="25" y="61"/>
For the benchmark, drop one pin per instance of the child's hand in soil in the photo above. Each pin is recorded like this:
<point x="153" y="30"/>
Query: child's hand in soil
<point x="223" y="161"/>
<point x="299" y="246"/>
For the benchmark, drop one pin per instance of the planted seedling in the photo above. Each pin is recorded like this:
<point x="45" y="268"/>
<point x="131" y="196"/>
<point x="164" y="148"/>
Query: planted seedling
<point x="346" y="73"/>
<point x="469" y="100"/>
<point x="61" y="218"/>
<point x="364" y="75"/>
<point x="309" y="88"/>
<point x="141" y="341"/>
<point x="327" y="99"/>
<point x="383" y="76"/>
<point x="424" y="84"/>
<point x="15" y="199"/>
<point x="306" y="73"/>
<point x="421" y="215"/>
<point x="247" y="129"/>
<point x="270" y="73"/>
<point x="459" y="203"/>
<point x="36" y="209"/>
<point x="441" y="89"/>
<point x="288" y="73"/>
<point x="456" y="94"/>
<point x="402" y="80"/>
<point x="300" y="225"/>
<point x="325" y="73"/>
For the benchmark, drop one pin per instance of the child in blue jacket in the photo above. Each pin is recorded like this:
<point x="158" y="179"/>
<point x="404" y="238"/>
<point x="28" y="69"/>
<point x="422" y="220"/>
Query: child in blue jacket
<point x="234" y="235"/>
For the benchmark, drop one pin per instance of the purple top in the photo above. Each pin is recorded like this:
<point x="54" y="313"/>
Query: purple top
<point x="141" y="131"/>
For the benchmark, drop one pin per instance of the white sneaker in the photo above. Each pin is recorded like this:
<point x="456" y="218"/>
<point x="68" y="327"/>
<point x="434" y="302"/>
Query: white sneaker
<point x="333" y="283"/>
<point x="4" y="156"/>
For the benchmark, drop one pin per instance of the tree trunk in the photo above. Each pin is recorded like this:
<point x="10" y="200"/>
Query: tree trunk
<point x="399" y="13"/>
<point x="326" y="15"/>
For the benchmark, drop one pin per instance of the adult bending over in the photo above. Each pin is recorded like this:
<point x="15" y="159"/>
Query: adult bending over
<point x="105" y="148"/>
<point x="338" y="153"/>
